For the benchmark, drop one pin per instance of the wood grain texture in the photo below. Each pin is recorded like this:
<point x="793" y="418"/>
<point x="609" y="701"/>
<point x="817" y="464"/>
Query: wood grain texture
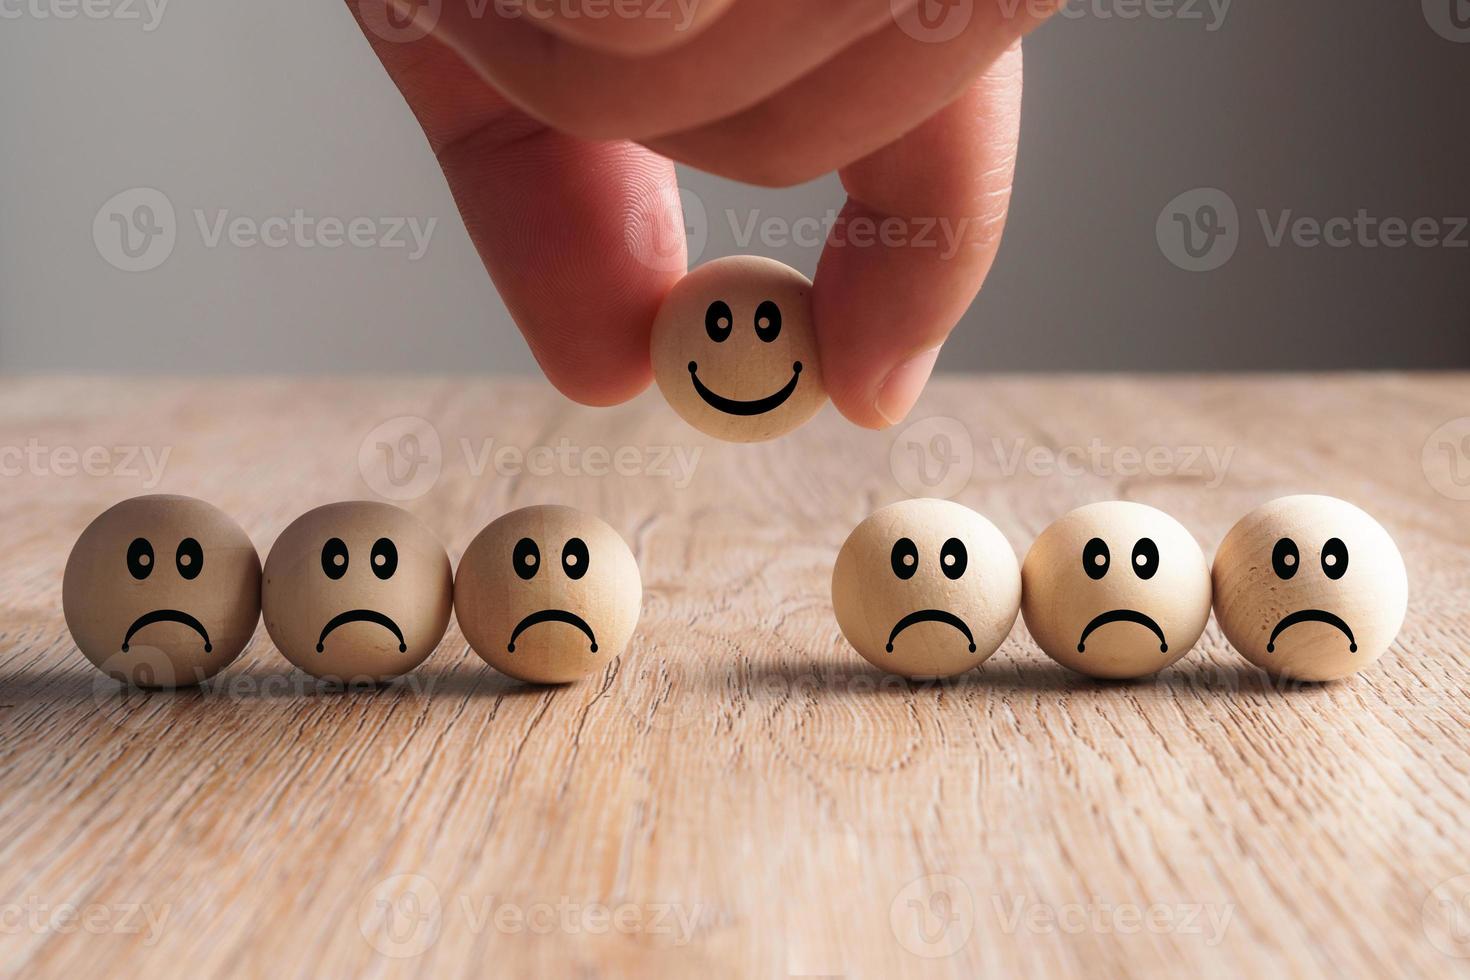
<point x="740" y="794"/>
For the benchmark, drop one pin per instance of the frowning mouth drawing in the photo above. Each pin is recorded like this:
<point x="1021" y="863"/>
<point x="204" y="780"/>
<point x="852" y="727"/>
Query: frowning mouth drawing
<point x="361" y="616"/>
<point x="167" y="616"/>
<point x="1311" y="616"/>
<point x="1122" y="616"/>
<point x="551" y="616"/>
<point x="931" y="616"/>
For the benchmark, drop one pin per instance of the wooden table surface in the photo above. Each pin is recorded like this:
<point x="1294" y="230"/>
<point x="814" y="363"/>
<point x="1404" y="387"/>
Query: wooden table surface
<point x="739" y="794"/>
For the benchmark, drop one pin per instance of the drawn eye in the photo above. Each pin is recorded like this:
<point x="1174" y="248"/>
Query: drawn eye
<point x="718" y="321"/>
<point x="140" y="558"/>
<point x="905" y="558"/>
<point x="1145" y="558"/>
<point x="526" y="558"/>
<point x="1095" y="558"/>
<point x="334" y="558"/>
<point x="189" y="559"/>
<point x="1285" y="558"/>
<point x="768" y="321"/>
<point x="1334" y="558"/>
<point x="574" y="558"/>
<point x="384" y="558"/>
<point x="953" y="558"/>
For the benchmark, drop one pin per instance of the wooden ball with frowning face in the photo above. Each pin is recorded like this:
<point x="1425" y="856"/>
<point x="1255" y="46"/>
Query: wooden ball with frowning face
<point x="1310" y="588"/>
<point x="357" y="591"/>
<point x="926" y="588"/>
<point x="162" y="591"/>
<point x="1116" y="590"/>
<point x="548" y="594"/>
<point x="734" y="350"/>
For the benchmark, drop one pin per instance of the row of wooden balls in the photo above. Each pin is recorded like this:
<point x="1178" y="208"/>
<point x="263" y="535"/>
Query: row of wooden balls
<point x="1306" y="587"/>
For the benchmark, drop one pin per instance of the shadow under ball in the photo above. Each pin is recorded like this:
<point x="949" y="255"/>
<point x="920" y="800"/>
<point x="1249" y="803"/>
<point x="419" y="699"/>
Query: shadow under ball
<point x="926" y="588"/>
<point x="162" y="591"/>
<point x="1115" y="590"/>
<point x="548" y="594"/>
<point x="734" y="349"/>
<point x="357" y="591"/>
<point x="1310" y="588"/>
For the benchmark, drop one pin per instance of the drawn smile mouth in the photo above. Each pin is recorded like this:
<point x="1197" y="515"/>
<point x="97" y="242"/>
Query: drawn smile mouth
<point x="551" y="616"/>
<point x="1311" y="616"/>
<point x="361" y="616"/>
<point x="167" y="616"/>
<point x="731" y="406"/>
<point x="931" y="616"/>
<point x="1122" y="616"/>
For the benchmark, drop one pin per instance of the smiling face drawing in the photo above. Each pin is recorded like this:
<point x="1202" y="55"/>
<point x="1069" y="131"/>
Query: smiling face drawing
<point x="547" y="594"/>
<point x="1310" y="587"/>
<point x="357" y="591"/>
<point x="734" y="351"/>
<point x="926" y="588"/>
<point x="162" y="591"/>
<point x="1115" y="590"/>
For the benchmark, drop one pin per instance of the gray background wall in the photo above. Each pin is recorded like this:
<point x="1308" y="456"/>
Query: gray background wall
<point x="1319" y="108"/>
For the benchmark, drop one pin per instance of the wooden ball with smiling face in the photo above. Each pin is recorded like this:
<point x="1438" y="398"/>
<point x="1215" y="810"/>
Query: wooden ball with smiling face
<point x="548" y="594"/>
<point x="357" y="591"/>
<point x="162" y="591"/>
<point x="1310" y="588"/>
<point x="926" y="588"/>
<point x="735" y="352"/>
<point x="1116" y="590"/>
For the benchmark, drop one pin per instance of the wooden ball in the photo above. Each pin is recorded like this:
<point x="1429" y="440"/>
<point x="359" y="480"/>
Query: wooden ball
<point x="734" y="350"/>
<point x="926" y="588"/>
<point x="357" y="591"/>
<point x="548" y="594"/>
<point x="1116" y="590"/>
<point x="1310" y="588"/>
<point x="162" y="591"/>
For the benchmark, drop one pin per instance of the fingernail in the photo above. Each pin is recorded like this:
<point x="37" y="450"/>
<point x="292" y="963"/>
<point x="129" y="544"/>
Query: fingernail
<point x="901" y="389"/>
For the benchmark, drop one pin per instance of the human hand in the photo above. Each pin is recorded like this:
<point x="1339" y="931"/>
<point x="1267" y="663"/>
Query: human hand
<point x="556" y="129"/>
